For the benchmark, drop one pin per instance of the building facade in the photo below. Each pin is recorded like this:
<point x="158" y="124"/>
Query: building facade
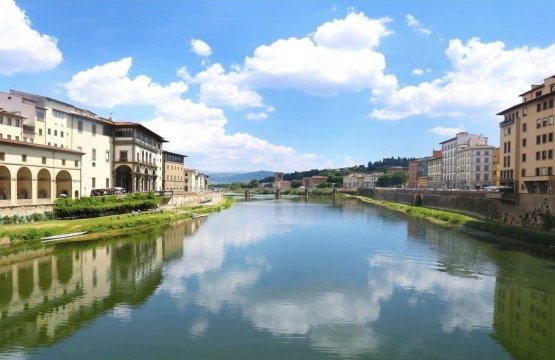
<point x="527" y="142"/>
<point x="66" y="144"/>
<point x="449" y="150"/>
<point x="173" y="171"/>
<point x="195" y="181"/>
<point x="474" y="167"/>
<point x="314" y="181"/>
<point x="434" y="171"/>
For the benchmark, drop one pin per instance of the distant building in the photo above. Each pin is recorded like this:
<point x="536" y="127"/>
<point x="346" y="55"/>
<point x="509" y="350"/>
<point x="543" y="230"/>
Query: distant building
<point x="279" y="183"/>
<point x="450" y="164"/>
<point x="360" y="181"/>
<point x="434" y="171"/>
<point x="496" y="167"/>
<point x="412" y="178"/>
<point x="314" y="181"/>
<point x="173" y="177"/>
<point x="195" y="181"/>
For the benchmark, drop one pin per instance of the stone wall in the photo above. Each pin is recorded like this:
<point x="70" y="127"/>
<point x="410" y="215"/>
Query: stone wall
<point x="24" y="210"/>
<point x="192" y="199"/>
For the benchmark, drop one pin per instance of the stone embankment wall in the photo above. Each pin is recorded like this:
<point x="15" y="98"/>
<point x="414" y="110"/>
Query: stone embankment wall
<point x="24" y="210"/>
<point x="473" y="203"/>
<point x="192" y="199"/>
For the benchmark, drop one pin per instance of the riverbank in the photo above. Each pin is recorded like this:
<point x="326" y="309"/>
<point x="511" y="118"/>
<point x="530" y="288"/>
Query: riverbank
<point x="531" y="240"/>
<point x="20" y="237"/>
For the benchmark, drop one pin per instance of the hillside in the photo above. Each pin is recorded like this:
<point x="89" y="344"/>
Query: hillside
<point x="230" y="177"/>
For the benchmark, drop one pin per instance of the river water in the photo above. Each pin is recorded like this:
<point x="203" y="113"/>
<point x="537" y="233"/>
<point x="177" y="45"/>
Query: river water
<point x="280" y="279"/>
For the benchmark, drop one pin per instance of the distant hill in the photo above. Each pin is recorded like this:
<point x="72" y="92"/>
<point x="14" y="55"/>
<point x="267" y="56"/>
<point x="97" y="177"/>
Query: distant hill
<point x="230" y="177"/>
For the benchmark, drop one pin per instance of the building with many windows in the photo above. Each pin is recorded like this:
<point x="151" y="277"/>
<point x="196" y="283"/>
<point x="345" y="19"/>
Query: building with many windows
<point x="527" y="143"/>
<point x="45" y="140"/>
<point x="450" y="166"/>
<point x="474" y="166"/>
<point x="360" y="181"/>
<point x="173" y="171"/>
<point x="434" y="171"/>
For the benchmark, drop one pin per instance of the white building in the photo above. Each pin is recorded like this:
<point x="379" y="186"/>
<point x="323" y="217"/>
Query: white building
<point x="195" y="181"/>
<point x="361" y="181"/>
<point x="475" y="166"/>
<point x="449" y="149"/>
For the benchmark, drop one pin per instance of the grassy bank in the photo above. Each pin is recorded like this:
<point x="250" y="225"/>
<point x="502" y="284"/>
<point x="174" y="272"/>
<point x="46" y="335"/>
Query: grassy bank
<point x="19" y="237"/>
<point x="540" y="242"/>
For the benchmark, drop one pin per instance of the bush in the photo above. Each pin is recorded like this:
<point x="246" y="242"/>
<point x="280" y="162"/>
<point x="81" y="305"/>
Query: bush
<point x="104" y="205"/>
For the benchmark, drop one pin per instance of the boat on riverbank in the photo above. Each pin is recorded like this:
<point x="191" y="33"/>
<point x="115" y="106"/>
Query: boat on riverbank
<point x="62" y="236"/>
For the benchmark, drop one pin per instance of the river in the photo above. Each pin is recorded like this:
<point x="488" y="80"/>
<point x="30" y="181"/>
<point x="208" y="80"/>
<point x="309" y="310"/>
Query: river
<point x="280" y="279"/>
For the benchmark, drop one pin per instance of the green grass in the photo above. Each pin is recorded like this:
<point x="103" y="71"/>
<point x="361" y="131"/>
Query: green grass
<point x="530" y="236"/>
<point x="28" y="235"/>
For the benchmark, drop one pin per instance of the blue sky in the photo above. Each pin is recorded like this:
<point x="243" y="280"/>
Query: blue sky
<point x="283" y="85"/>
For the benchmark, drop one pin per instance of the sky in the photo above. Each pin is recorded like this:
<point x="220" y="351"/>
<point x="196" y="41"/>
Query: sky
<point x="283" y="85"/>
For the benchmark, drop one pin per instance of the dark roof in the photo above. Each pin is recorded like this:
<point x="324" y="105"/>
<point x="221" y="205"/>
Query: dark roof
<point x="172" y="153"/>
<point x="39" y="146"/>
<point x="544" y="96"/>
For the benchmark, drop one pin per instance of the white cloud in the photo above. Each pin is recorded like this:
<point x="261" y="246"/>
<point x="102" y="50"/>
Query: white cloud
<point x="257" y="116"/>
<point x="23" y="49"/>
<point x="445" y="131"/>
<point x="109" y="85"/>
<point x="418" y="72"/>
<point x="220" y="89"/>
<point x="200" y="48"/>
<point x="339" y="56"/>
<point x="484" y="79"/>
<point x="416" y="25"/>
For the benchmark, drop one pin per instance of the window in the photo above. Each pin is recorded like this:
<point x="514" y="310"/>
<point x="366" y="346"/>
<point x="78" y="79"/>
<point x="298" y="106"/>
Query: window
<point x="538" y="139"/>
<point x="44" y="160"/>
<point x="9" y="137"/>
<point x="538" y="123"/>
<point x="93" y="152"/>
<point x="550" y="137"/>
<point x="550" y="154"/>
<point x="478" y="159"/>
<point x="544" y="155"/>
<point x="477" y="167"/>
<point x="80" y="126"/>
<point x="550" y="119"/>
<point x="107" y="156"/>
<point x="477" y="152"/>
<point x="523" y="157"/>
<point x="544" y="121"/>
<point x="538" y="93"/>
<point x="107" y="182"/>
<point x="94" y="129"/>
<point x="24" y="158"/>
<point x="40" y="115"/>
<point x="477" y="177"/>
<point x="524" y="111"/>
<point x="123" y="155"/>
<point x="57" y="114"/>
<point x="2" y="156"/>
<point x="76" y="163"/>
<point x="49" y="131"/>
<point x="17" y="138"/>
<point x="524" y="142"/>
<point x="539" y="107"/>
<point x="544" y="107"/>
<point x="544" y="138"/>
<point x="61" y="133"/>
<point x="486" y="167"/>
<point x="537" y="155"/>
<point x="79" y="148"/>
<point x="537" y="171"/>
<point x="93" y="182"/>
<point x="40" y="132"/>
<point x="551" y="103"/>
<point x="523" y="172"/>
<point x="10" y="121"/>
<point x="17" y="123"/>
<point x="63" y="162"/>
<point x="55" y="132"/>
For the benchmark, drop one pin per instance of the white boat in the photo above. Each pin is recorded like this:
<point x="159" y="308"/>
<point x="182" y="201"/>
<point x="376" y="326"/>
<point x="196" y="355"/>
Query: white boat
<point x="196" y="216"/>
<point x="62" y="236"/>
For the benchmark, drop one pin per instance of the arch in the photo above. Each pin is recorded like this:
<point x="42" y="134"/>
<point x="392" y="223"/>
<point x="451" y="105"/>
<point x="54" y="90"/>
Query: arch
<point x="76" y="195"/>
<point x="123" y="178"/>
<point x="44" y="181"/>
<point x="63" y="184"/>
<point x="418" y="200"/>
<point x="24" y="183"/>
<point x="5" y="185"/>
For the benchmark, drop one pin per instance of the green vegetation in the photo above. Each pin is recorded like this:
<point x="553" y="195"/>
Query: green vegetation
<point x="527" y="236"/>
<point x="392" y="180"/>
<point x="27" y="236"/>
<point x="95" y="206"/>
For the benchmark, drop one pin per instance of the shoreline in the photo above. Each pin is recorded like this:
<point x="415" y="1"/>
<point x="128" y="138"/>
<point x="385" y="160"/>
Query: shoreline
<point x="510" y="237"/>
<point x="16" y="238"/>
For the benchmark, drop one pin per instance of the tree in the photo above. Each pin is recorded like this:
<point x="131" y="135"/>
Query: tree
<point x="296" y="184"/>
<point x="253" y="184"/>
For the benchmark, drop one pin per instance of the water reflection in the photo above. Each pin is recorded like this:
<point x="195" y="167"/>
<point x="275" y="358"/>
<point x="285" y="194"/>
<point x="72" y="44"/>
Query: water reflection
<point x="47" y="298"/>
<point x="334" y="279"/>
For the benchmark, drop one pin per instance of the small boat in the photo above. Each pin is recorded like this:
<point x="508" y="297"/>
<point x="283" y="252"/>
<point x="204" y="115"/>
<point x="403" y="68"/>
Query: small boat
<point x="62" y="236"/>
<point x="196" y="216"/>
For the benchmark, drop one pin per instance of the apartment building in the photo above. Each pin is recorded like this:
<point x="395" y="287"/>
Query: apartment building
<point x="360" y="181"/>
<point x="474" y="166"/>
<point x="173" y="171"/>
<point x="434" y="171"/>
<point x="527" y="141"/>
<point x="449" y="150"/>
<point x="412" y="178"/>
<point x="195" y="181"/>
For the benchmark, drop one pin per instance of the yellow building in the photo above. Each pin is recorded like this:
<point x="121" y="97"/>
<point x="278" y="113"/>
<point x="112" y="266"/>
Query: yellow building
<point x="173" y="175"/>
<point x="527" y="141"/>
